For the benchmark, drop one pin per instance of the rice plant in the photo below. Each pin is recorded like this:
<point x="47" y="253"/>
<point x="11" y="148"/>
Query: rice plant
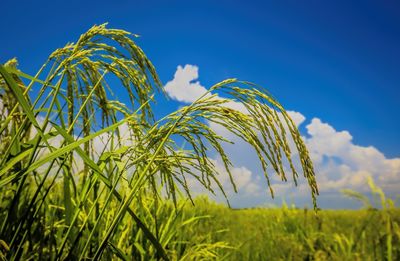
<point x="84" y="175"/>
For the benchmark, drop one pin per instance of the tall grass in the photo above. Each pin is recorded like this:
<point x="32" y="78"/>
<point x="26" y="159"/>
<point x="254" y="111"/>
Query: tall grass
<point x="83" y="175"/>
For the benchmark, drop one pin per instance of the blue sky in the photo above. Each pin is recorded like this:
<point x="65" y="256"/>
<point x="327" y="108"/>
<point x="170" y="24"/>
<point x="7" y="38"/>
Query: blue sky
<point x="337" y="62"/>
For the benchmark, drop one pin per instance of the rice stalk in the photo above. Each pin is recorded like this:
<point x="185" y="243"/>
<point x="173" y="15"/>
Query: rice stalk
<point x="68" y="176"/>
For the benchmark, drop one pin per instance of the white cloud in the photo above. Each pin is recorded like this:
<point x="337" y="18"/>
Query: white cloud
<point x="338" y="162"/>
<point x="182" y="88"/>
<point x="342" y="164"/>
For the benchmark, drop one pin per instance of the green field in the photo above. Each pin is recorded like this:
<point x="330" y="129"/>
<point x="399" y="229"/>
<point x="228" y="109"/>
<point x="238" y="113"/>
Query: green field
<point x="301" y="234"/>
<point x="211" y="231"/>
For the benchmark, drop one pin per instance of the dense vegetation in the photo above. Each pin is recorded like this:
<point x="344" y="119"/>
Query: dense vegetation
<point x="289" y="233"/>
<point x="85" y="176"/>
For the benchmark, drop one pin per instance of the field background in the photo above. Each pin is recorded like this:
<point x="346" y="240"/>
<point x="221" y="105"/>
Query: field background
<point x="300" y="234"/>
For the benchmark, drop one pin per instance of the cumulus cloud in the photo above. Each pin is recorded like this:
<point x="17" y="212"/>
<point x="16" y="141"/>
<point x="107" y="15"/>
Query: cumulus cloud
<point x="182" y="88"/>
<point x="339" y="163"/>
<point x="342" y="164"/>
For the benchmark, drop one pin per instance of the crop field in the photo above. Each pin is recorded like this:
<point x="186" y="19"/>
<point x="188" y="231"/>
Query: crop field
<point x="85" y="176"/>
<point x="301" y="234"/>
<point x="211" y="231"/>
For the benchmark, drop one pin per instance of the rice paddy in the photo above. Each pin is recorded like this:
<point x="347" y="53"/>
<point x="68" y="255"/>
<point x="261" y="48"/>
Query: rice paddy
<point x="84" y="176"/>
